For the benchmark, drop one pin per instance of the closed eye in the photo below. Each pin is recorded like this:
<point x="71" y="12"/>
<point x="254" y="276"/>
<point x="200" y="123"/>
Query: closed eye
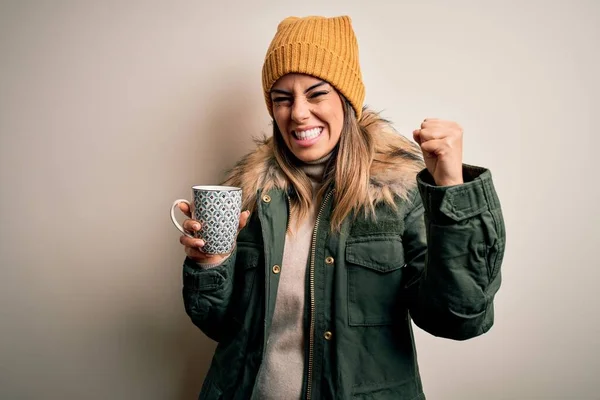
<point x="281" y="99"/>
<point x="318" y="94"/>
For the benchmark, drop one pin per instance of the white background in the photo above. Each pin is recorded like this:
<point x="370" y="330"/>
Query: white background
<point x="111" y="110"/>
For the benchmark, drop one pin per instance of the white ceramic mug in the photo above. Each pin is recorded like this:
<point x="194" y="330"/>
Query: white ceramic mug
<point x="217" y="209"/>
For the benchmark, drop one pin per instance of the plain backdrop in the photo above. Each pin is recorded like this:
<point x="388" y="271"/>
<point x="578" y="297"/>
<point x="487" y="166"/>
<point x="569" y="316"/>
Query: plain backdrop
<point x="110" y="110"/>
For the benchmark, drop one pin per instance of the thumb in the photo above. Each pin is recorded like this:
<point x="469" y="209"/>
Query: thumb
<point x="243" y="219"/>
<point x="417" y="136"/>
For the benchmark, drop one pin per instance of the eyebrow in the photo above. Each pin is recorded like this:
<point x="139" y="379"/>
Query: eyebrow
<point x="306" y="91"/>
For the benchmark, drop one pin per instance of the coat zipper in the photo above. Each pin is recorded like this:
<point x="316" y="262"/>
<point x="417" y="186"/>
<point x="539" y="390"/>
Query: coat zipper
<point x="312" y="298"/>
<point x="289" y="220"/>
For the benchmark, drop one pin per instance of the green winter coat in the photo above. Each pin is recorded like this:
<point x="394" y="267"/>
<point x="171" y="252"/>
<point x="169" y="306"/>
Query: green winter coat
<point x="434" y="259"/>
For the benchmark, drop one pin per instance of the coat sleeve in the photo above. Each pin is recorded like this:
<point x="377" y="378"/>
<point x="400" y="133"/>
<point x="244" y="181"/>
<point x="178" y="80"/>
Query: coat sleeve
<point x="454" y="242"/>
<point x="207" y="293"/>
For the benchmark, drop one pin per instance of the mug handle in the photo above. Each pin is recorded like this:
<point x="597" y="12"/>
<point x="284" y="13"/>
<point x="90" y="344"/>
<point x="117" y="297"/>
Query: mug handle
<point x="177" y="225"/>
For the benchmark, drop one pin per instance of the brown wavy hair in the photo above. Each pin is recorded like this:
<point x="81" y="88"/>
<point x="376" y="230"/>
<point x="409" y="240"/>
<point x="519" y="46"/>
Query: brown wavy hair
<point x="347" y="170"/>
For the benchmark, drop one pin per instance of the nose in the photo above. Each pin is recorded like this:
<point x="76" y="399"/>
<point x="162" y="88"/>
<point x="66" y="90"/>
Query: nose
<point x="300" y="110"/>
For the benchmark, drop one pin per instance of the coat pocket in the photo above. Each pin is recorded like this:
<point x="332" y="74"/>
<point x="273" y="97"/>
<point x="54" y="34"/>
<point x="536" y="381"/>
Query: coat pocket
<point x="247" y="261"/>
<point x="374" y="270"/>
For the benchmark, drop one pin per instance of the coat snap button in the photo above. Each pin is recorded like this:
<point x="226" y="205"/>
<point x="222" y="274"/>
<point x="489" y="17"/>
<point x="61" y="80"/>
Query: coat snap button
<point x="329" y="260"/>
<point x="266" y="198"/>
<point x="328" y="335"/>
<point x="276" y="269"/>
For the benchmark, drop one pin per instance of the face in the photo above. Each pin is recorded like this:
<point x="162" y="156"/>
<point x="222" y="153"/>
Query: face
<point x="309" y="114"/>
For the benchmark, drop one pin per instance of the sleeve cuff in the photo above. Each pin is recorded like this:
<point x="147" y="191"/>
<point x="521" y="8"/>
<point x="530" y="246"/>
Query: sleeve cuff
<point x="207" y="279"/>
<point x="211" y="265"/>
<point x="446" y="204"/>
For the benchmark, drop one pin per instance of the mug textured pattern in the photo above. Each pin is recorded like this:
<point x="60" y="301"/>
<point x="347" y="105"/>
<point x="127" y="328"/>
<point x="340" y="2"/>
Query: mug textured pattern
<point x="219" y="213"/>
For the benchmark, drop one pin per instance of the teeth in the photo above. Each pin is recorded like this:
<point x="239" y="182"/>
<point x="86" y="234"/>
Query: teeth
<point x="309" y="134"/>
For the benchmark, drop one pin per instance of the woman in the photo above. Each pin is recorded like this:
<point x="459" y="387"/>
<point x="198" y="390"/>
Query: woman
<point x="351" y="231"/>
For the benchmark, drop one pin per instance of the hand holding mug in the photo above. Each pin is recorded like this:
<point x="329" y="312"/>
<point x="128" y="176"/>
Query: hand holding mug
<point x="214" y="221"/>
<point x="193" y="246"/>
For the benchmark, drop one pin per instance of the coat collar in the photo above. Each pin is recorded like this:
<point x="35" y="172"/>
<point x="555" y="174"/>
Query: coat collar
<point x="395" y="165"/>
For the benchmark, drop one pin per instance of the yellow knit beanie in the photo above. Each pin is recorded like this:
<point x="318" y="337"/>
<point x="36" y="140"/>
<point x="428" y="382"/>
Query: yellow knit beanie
<point x="325" y="48"/>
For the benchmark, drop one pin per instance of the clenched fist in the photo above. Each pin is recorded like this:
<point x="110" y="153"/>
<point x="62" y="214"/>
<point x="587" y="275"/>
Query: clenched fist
<point x="441" y="144"/>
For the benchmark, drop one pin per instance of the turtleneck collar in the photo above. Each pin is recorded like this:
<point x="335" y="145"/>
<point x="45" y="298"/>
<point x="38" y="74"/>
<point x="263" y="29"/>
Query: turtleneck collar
<point x="315" y="169"/>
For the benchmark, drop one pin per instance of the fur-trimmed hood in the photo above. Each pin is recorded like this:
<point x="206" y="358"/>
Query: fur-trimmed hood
<point x="396" y="162"/>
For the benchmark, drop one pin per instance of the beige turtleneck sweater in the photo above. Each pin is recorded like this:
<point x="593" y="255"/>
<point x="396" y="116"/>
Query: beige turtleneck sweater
<point x="281" y="373"/>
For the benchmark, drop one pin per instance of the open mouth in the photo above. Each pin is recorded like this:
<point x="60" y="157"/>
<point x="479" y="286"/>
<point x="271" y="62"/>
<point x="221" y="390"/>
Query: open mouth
<point x="308" y="134"/>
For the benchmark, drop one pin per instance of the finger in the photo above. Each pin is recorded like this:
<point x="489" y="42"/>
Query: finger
<point x="185" y="209"/>
<point x="417" y="136"/>
<point x="431" y="134"/>
<point x="435" y="146"/>
<point x="201" y="256"/>
<point x="191" y="242"/>
<point x="428" y="122"/>
<point x="243" y="220"/>
<point x="196" y="254"/>
<point x="437" y="122"/>
<point x="191" y="225"/>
